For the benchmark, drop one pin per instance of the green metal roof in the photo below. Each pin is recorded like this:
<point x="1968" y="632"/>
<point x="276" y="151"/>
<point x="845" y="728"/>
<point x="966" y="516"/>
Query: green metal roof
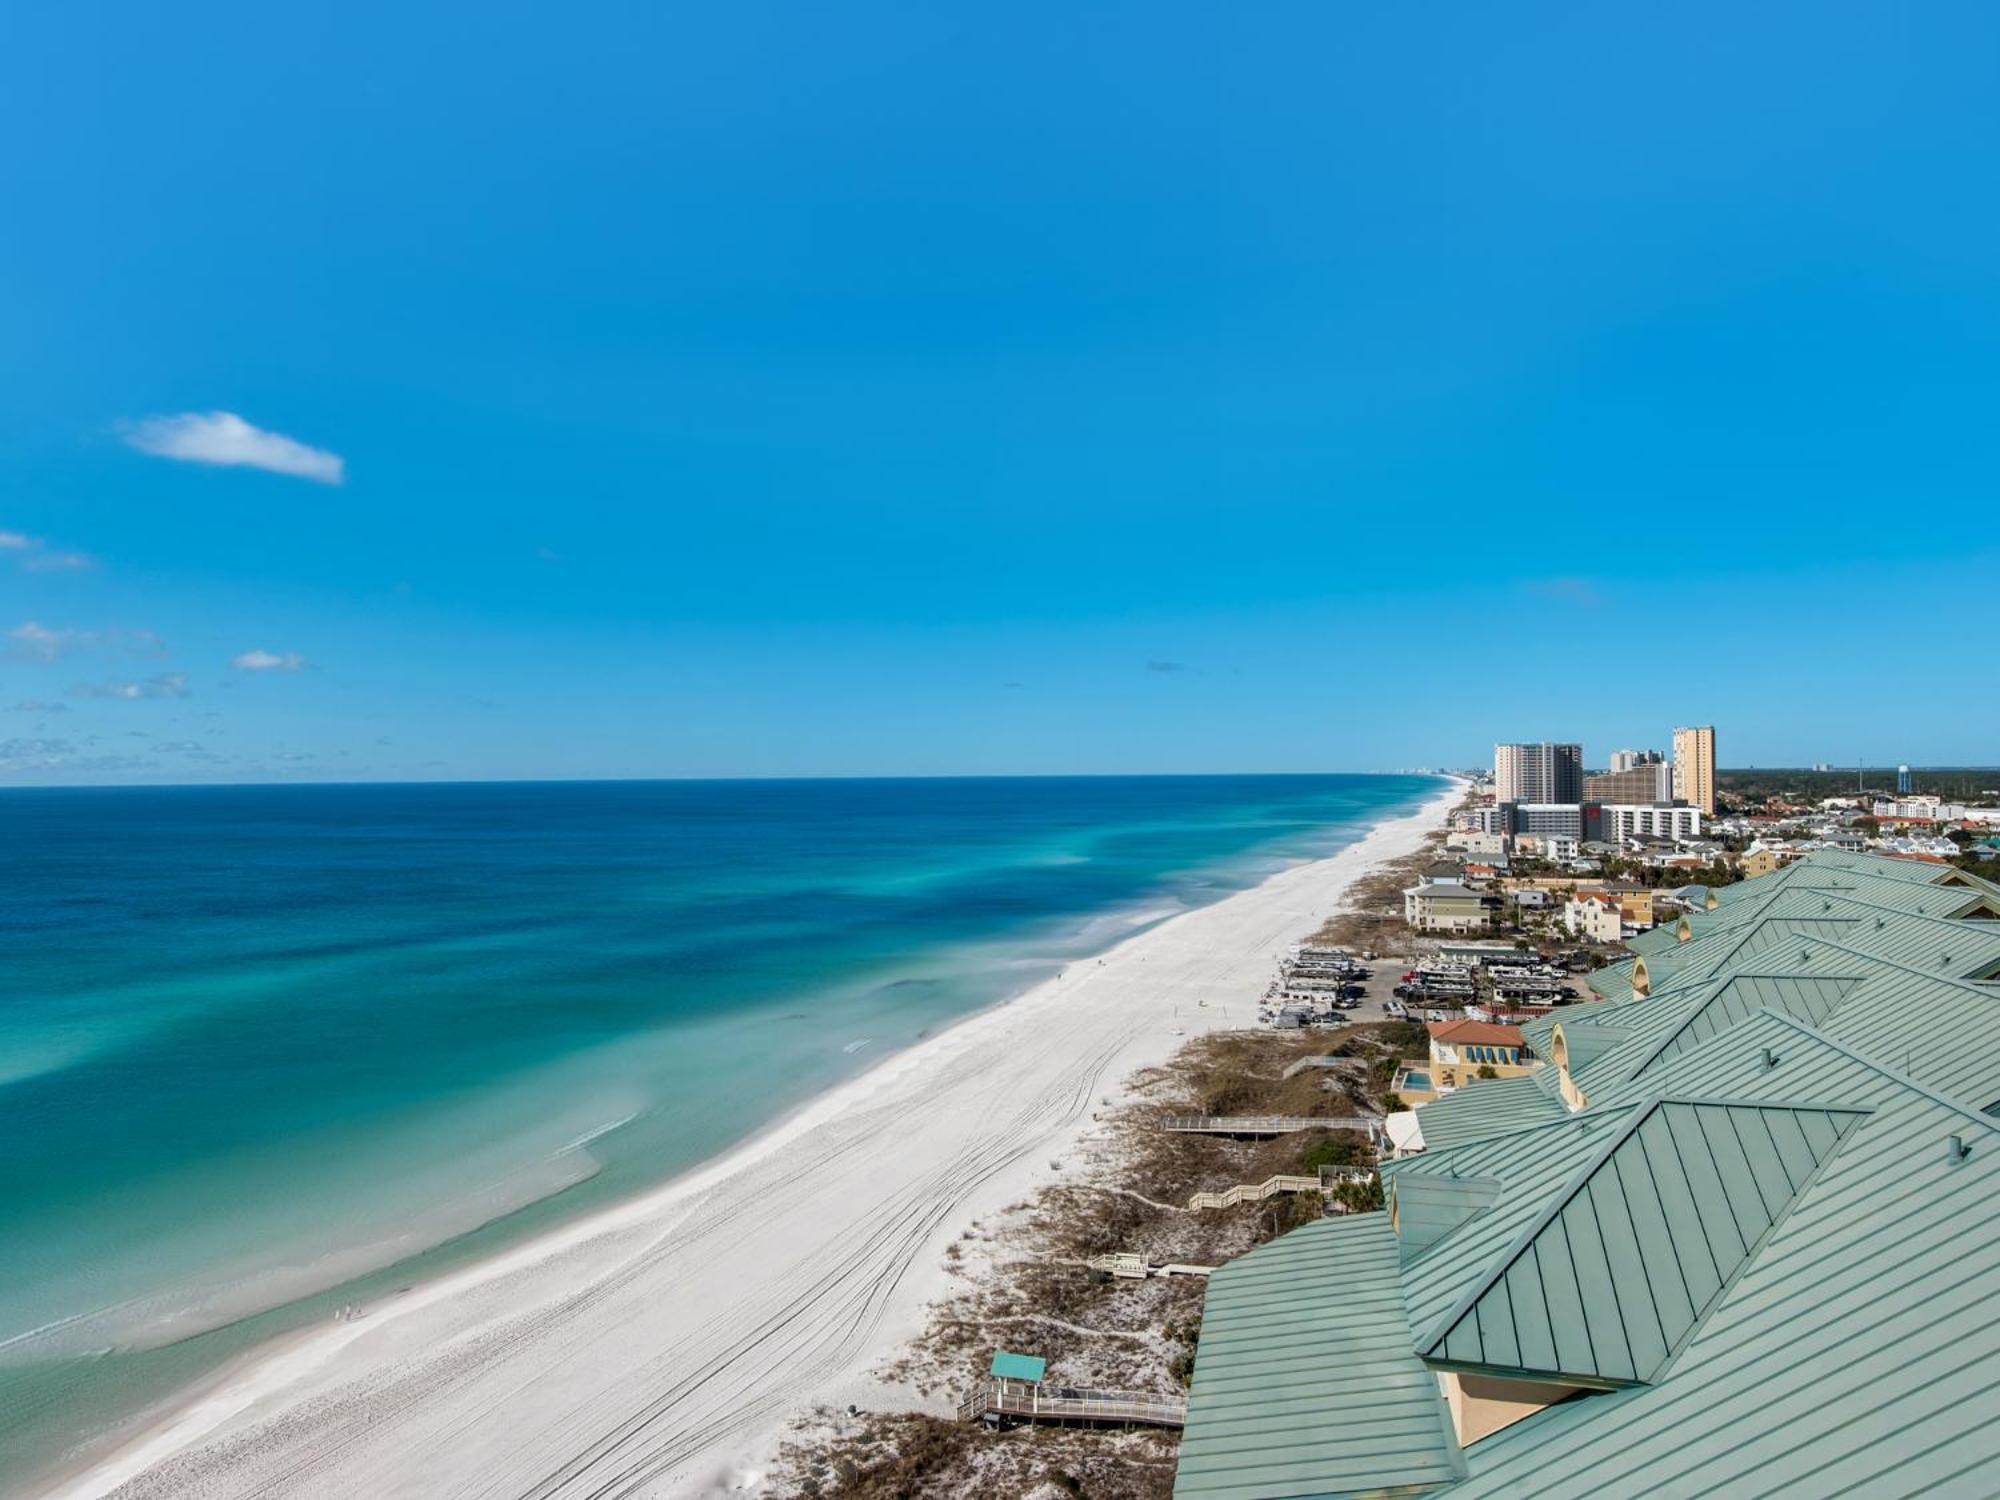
<point x="1628" y="1259"/>
<point x="1496" y="1106"/>
<point x="1858" y="1351"/>
<point x="1754" y="1250"/>
<point x="1306" y="1381"/>
<point x="1017" y="1366"/>
<point x="1533" y="1165"/>
<point x="1810" y="997"/>
<point x="1428" y="1207"/>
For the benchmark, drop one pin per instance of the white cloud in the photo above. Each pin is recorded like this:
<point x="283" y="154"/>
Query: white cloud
<point x="17" y="541"/>
<point x="41" y="642"/>
<point x="34" y="754"/>
<point x="268" y="661"/>
<point x="222" y="437"/>
<point x="57" y="562"/>
<point x="31" y="638"/>
<point x="167" y="685"/>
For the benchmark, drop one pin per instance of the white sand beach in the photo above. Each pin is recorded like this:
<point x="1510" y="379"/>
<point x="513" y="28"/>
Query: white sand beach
<point x="659" y="1347"/>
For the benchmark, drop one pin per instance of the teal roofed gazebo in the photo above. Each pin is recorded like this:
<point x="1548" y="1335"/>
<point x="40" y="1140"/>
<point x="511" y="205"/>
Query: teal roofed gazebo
<point x="1027" y="1367"/>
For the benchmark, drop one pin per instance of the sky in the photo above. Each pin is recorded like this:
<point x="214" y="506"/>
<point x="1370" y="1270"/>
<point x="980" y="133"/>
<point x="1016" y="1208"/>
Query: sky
<point x="608" y="390"/>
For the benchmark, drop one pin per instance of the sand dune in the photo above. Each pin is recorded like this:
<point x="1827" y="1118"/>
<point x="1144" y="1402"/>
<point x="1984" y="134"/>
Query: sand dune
<point x="658" y="1348"/>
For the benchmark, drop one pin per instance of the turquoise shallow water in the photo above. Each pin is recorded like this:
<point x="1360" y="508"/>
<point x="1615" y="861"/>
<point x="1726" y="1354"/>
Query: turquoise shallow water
<point x="266" y="1049"/>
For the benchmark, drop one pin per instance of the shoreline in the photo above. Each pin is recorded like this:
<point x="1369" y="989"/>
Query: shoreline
<point x="666" y="1340"/>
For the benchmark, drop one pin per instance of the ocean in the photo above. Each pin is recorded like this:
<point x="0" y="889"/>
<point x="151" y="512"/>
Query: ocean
<point x="266" y="1050"/>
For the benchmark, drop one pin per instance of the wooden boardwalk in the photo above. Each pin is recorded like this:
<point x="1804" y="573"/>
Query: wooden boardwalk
<point x="1253" y="1192"/>
<point x="1312" y="1062"/>
<point x="1021" y="1401"/>
<point x="1263" y="1124"/>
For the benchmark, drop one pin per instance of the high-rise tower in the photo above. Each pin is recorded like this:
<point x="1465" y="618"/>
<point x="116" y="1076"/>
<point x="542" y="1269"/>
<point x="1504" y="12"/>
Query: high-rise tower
<point x="1694" y="767"/>
<point x="1544" y="772"/>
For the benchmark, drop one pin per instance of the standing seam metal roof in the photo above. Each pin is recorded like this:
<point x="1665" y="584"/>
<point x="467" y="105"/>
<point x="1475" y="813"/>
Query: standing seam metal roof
<point x="1628" y="1259"/>
<point x="1858" y="1353"/>
<point x="1306" y="1381"/>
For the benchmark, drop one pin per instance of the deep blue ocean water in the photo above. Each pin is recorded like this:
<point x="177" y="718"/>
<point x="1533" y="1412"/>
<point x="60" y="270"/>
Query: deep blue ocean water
<point x="263" y="1049"/>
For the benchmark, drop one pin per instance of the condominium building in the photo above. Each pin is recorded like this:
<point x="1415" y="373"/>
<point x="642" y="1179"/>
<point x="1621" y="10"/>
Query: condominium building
<point x="1648" y="821"/>
<point x="1647" y="781"/>
<point x="1563" y="819"/>
<point x="1694" y="767"/>
<point x="1544" y="772"/>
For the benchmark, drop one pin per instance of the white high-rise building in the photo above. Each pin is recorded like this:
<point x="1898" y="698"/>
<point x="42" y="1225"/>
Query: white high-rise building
<point x="1651" y="822"/>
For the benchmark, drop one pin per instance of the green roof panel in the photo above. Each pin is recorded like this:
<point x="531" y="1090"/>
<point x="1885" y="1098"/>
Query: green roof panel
<point x="1306" y="1381"/>
<point x="1629" y="1257"/>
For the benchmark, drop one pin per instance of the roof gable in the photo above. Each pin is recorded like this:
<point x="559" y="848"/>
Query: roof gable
<point x="1620" y="1270"/>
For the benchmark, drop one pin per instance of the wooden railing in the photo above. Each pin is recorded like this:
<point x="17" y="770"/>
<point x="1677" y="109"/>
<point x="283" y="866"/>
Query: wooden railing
<point x="1254" y="1192"/>
<point x="1133" y="1266"/>
<point x="1048" y="1403"/>
<point x="1311" y="1062"/>
<point x="1262" y="1124"/>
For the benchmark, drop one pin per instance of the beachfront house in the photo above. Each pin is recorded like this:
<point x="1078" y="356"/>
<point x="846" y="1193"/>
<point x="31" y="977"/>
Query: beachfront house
<point x="1448" y="906"/>
<point x="1594" y="916"/>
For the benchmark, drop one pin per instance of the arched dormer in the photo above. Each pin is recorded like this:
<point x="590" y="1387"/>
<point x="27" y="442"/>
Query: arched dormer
<point x="1683" y="930"/>
<point x="1559" y="1055"/>
<point x="1642" y="978"/>
<point x="1711" y="903"/>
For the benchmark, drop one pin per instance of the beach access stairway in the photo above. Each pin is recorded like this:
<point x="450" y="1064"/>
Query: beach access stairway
<point x="1130" y="1265"/>
<point x="1311" y="1062"/>
<point x="1264" y="1124"/>
<point x="998" y="1400"/>
<point x="1254" y="1192"/>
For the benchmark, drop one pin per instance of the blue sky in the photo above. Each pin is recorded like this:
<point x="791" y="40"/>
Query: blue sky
<point x="787" y="389"/>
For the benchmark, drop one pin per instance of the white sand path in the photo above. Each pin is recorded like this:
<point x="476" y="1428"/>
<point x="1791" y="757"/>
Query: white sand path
<point x="659" y="1347"/>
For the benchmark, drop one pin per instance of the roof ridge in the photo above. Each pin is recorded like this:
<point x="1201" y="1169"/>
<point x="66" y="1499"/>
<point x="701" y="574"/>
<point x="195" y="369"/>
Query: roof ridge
<point x="1443" y="1153"/>
<point x="1722" y="982"/>
<point x="1871" y="1063"/>
<point x="1896" y="963"/>
<point x="1640" y="1110"/>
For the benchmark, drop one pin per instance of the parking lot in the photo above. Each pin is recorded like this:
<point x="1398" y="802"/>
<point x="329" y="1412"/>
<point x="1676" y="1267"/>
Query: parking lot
<point x="1377" y="992"/>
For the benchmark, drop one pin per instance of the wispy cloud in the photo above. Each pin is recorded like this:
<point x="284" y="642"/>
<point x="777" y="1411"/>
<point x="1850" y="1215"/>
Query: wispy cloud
<point x="34" y="556"/>
<point x="21" y="755"/>
<point x="166" y="685"/>
<point x="268" y="661"/>
<point x="37" y="706"/>
<point x="1166" y="666"/>
<point x="39" y="642"/>
<point x="57" y="562"/>
<point x="225" y="439"/>
<point x="1568" y="591"/>
<point x="34" y="639"/>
